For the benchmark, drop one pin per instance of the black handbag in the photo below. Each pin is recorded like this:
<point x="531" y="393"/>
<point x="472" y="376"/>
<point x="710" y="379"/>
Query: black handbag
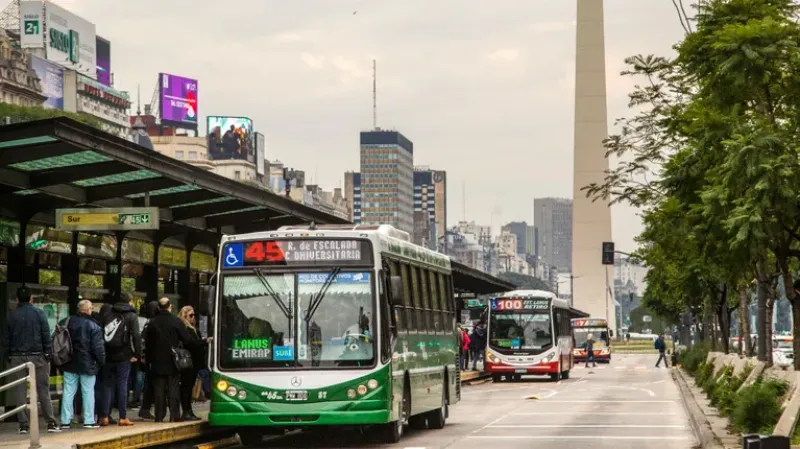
<point x="182" y="358"/>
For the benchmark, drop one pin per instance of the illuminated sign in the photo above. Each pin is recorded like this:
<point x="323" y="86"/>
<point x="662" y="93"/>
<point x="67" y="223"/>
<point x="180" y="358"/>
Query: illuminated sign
<point x="103" y="93"/>
<point x="107" y="219"/>
<point x="298" y="252"/>
<point x="589" y="322"/>
<point x="252" y="348"/>
<point x="520" y="304"/>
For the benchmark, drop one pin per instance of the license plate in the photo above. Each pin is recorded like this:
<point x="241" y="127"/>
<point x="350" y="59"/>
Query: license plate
<point x="296" y="395"/>
<point x="521" y="371"/>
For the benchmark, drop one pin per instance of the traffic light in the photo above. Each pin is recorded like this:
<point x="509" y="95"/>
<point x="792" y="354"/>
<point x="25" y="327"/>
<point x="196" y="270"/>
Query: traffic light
<point x="608" y="253"/>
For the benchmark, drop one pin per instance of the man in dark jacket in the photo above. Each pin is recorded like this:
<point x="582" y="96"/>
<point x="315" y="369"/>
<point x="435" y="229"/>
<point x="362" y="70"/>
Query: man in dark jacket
<point x="661" y="346"/>
<point x="477" y="344"/>
<point x="165" y="332"/>
<point x="27" y="339"/>
<point x="123" y="347"/>
<point x="88" y="355"/>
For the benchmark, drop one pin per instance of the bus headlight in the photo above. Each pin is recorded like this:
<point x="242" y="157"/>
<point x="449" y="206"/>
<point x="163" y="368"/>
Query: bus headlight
<point x="242" y="395"/>
<point x="490" y="357"/>
<point x="372" y="384"/>
<point x="362" y="390"/>
<point x="222" y="385"/>
<point x="351" y="393"/>
<point x="232" y="391"/>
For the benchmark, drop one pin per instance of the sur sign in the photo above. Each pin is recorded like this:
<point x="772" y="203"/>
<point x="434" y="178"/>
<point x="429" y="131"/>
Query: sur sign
<point x="108" y="219"/>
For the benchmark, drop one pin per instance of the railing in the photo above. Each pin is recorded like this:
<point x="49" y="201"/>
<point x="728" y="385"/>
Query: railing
<point x="33" y="405"/>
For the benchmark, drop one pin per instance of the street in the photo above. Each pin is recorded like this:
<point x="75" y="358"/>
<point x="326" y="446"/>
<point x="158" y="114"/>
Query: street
<point x="625" y="404"/>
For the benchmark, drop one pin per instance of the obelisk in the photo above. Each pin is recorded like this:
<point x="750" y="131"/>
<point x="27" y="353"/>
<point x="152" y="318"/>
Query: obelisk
<point x="591" y="221"/>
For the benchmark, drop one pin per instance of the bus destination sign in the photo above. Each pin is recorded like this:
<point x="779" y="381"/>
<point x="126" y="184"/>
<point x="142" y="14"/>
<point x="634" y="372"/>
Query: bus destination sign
<point x="297" y="252"/>
<point x="589" y="322"/>
<point x="520" y="304"/>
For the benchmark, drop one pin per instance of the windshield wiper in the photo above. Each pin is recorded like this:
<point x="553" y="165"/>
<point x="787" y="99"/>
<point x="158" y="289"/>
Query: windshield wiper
<point x="317" y="300"/>
<point x="287" y="312"/>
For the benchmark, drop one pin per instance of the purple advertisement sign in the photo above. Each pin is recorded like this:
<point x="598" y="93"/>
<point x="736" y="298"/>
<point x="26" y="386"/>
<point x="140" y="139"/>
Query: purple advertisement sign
<point x="103" y="61"/>
<point x="178" y="99"/>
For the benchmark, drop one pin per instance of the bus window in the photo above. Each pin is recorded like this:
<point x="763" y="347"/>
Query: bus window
<point x="425" y="295"/>
<point x="398" y="310"/>
<point x="417" y="295"/>
<point x="435" y="304"/>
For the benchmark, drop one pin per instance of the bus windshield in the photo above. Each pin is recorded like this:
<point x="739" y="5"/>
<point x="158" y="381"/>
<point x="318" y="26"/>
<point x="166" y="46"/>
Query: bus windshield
<point x="286" y="320"/>
<point x="600" y="335"/>
<point x="520" y="332"/>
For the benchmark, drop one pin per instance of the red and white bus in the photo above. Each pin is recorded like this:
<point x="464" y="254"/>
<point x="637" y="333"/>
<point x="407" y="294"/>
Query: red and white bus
<point x="529" y="333"/>
<point x="601" y="334"/>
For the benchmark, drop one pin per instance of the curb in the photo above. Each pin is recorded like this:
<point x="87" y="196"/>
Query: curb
<point x="700" y="425"/>
<point x="155" y="438"/>
<point x="474" y="376"/>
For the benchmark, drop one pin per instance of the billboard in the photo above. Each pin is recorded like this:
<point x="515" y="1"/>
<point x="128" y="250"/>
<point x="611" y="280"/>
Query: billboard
<point x="103" y="61"/>
<point x="31" y="21"/>
<point x="261" y="150"/>
<point x="52" y="77"/>
<point x="230" y="138"/>
<point x="178" y="100"/>
<point x="71" y="40"/>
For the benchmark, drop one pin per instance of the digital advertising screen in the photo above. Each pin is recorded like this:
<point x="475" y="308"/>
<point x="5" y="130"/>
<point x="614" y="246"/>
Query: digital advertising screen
<point x="230" y="138"/>
<point x="178" y="100"/>
<point x="52" y="79"/>
<point x="103" y="61"/>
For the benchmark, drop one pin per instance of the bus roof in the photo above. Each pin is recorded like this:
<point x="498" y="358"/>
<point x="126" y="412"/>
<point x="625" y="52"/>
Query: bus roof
<point x="556" y="301"/>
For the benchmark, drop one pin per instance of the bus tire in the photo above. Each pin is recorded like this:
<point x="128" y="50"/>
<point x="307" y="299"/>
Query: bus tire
<point x="565" y="374"/>
<point x="497" y="378"/>
<point x="392" y="432"/>
<point x="250" y="437"/>
<point x="437" y="418"/>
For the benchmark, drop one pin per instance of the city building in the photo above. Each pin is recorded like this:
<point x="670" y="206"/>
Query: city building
<point x="84" y="95"/>
<point x="472" y="245"/>
<point x="526" y="236"/>
<point x="277" y="182"/>
<point x="19" y="83"/>
<point x="430" y="196"/>
<point x="352" y="192"/>
<point x="553" y="220"/>
<point x="387" y="177"/>
<point x="192" y="150"/>
<point x="424" y="231"/>
<point x="333" y="203"/>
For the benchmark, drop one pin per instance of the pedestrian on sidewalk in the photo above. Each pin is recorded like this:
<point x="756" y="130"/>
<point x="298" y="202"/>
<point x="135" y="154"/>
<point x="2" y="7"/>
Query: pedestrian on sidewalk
<point x="661" y="346"/>
<point x="197" y="346"/>
<point x="477" y="343"/>
<point x="589" y="346"/>
<point x="150" y="310"/>
<point x="88" y="355"/>
<point x="165" y="332"/>
<point x="464" y="348"/>
<point x="123" y="346"/>
<point x="27" y="339"/>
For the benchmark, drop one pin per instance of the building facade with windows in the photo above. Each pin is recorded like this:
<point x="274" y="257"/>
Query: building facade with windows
<point x="553" y="220"/>
<point x="430" y="198"/>
<point x="387" y="179"/>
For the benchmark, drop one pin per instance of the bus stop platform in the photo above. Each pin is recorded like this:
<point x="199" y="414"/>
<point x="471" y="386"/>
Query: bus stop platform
<point x="142" y="434"/>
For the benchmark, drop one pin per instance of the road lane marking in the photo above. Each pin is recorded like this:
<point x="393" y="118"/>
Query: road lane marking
<point x="611" y="402"/>
<point x="587" y="426"/>
<point x="578" y="412"/>
<point x="576" y="437"/>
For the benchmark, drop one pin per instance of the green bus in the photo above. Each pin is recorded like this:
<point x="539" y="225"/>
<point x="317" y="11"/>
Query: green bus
<point x="332" y="326"/>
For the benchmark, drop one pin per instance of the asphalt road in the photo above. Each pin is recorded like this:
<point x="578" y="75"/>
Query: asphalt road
<point x="625" y="404"/>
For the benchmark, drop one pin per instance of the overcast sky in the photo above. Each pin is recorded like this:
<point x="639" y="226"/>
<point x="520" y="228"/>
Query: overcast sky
<point x="484" y="89"/>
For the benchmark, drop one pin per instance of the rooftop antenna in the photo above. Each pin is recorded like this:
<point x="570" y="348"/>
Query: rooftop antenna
<point x="138" y="99"/>
<point x="374" y="95"/>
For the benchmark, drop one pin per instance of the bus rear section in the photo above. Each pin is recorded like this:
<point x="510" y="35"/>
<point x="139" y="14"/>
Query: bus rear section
<point x="525" y="337"/>
<point x="601" y="335"/>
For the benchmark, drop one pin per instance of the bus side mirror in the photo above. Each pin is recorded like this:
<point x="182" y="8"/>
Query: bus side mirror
<point x="610" y="333"/>
<point x="397" y="291"/>
<point x="208" y="294"/>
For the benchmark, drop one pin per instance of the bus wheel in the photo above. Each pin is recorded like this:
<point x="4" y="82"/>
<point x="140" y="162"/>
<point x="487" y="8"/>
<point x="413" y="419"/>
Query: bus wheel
<point x="565" y="374"/>
<point x="392" y="432"/>
<point x="496" y="378"/>
<point x="437" y="418"/>
<point x="250" y="437"/>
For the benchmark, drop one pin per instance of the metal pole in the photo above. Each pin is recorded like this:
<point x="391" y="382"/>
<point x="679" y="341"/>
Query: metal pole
<point x="34" y="407"/>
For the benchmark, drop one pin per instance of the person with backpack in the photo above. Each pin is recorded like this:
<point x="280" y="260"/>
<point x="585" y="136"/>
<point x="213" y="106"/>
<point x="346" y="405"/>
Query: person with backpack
<point x="27" y="339"/>
<point x="86" y="355"/>
<point x="123" y="347"/>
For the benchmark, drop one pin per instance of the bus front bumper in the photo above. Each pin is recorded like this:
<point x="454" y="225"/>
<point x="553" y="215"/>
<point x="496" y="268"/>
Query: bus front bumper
<point x="541" y="368"/>
<point x="276" y="414"/>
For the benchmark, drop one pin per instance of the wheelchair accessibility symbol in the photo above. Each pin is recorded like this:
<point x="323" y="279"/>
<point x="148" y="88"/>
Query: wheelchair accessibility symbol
<point x="233" y="255"/>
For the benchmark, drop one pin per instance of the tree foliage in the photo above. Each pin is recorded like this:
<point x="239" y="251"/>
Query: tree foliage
<point x="711" y="156"/>
<point x="26" y="114"/>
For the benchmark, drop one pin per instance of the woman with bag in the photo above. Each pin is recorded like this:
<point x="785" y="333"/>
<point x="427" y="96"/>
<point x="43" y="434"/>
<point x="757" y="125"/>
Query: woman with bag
<point x="197" y="348"/>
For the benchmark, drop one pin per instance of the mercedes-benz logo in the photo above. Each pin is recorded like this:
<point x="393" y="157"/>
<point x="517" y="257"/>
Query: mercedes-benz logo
<point x="296" y="381"/>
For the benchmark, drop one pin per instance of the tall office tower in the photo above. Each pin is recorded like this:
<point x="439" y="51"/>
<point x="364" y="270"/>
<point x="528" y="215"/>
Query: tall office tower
<point x="387" y="179"/>
<point x="430" y="196"/>
<point x="525" y="235"/>
<point x="352" y="193"/>
<point x="593" y="282"/>
<point x="553" y="219"/>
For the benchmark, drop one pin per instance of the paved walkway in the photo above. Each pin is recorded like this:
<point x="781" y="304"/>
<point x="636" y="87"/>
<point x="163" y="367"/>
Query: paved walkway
<point x="142" y="434"/>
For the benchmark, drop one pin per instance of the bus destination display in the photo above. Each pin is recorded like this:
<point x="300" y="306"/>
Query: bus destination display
<point x="297" y="252"/>
<point x="519" y="304"/>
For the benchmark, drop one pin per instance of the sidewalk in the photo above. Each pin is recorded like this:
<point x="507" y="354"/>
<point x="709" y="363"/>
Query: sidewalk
<point x="143" y="434"/>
